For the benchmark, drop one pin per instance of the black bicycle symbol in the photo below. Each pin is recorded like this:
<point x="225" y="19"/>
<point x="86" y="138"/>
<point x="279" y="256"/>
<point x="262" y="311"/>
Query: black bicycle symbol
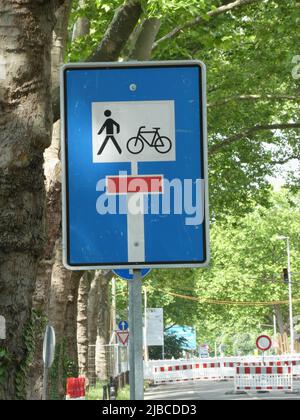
<point x="162" y="144"/>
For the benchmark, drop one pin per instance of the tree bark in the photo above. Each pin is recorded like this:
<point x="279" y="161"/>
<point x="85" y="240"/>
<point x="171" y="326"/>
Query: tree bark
<point x="279" y="320"/>
<point x="103" y="330"/>
<point x="93" y="310"/>
<point x="52" y="173"/>
<point x="82" y="324"/>
<point x="60" y="289"/>
<point x="118" y="32"/>
<point x="82" y="25"/>
<point x="26" y="124"/>
<point x="145" y="38"/>
<point x="70" y="330"/>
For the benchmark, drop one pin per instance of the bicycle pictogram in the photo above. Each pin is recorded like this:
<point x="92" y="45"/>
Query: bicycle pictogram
<point x="162" y="144"/>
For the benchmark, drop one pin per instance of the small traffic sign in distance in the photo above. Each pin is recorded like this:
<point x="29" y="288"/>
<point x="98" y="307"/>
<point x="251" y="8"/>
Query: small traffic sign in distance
<point x="264" y="343"/>
<point x="135" y="189"/>
<point x="123" y="337"/>
<point x="123" y="325"/>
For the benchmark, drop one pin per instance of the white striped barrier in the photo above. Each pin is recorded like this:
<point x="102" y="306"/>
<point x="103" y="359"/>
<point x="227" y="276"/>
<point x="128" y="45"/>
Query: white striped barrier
<point x="226" y="365"/>
<point x="187" y="372"/>
<point x="263" y="378"/>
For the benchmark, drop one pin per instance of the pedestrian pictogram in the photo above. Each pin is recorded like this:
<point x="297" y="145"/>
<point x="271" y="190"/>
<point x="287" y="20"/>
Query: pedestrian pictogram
<point x="108" y="126"/>
<point x="135" y="131"/>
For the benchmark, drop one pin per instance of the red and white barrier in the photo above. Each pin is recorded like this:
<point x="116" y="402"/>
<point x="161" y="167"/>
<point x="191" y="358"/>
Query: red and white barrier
<point x="186" y="372"/>
<point x="75" y="389"/>
<point x="163" y="371"/>
<point x="263" y="378"/>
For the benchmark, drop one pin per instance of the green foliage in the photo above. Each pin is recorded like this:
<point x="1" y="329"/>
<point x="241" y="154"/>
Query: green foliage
<point x="246" y="266"/>
<point x="34" y="328"/>
<point x="248" y="53"/>
<point x="5" y="361"/>
<point x="99" y="13"/>
<point x="61" y="369"/>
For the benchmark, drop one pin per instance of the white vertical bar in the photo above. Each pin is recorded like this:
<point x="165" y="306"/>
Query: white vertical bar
<point x="135" y="228"/>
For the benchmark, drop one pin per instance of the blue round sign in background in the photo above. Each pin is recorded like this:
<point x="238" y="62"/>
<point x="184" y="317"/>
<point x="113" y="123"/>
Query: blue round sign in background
<point x="127" y="274"/>
<point x="123" y="325"/>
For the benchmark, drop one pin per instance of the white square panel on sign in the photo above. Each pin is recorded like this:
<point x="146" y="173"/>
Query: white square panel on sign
<point x="136" y="131"/>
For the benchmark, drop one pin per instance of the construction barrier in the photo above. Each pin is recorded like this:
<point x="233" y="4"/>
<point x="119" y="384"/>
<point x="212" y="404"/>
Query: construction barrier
<point x="186" y="372"/>
<point x="75" y="389"/>
<point x="162" y="371"/>
<point x="263" y="378"/>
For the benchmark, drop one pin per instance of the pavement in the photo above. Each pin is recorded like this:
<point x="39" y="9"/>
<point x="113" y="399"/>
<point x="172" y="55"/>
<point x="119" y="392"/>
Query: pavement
<point x="212" y="390"/>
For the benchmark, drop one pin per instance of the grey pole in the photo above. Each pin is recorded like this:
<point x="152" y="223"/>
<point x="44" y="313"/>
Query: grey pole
<point x="45" y="384"/>
<point x="136" y="372"/>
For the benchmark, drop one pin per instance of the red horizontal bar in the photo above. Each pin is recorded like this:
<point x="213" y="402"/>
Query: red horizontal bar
<point x="134" y="184"/>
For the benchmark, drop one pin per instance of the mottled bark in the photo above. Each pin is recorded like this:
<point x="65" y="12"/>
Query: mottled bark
<point x="144" y="40"/>
<point x="52" y="171"/>
<point x="93" y="310"/>
<point x="103" y="330"/>
<point x="60" y="289"/>
<point x="118" y="32"/>
<point x="82" y="323"/>
<point x="25" y="127"/>
<point x="279" y="320"/>
<point x="82" y="25"/>
<point x="70" y="330"/>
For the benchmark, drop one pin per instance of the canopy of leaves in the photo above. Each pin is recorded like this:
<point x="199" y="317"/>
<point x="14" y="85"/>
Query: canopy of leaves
<point x="247" y="264"/>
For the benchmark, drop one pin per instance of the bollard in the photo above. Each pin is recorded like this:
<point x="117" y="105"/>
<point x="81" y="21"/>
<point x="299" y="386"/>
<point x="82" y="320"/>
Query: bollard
<point x="112" y="389"/>
<point x="105" y="396"/>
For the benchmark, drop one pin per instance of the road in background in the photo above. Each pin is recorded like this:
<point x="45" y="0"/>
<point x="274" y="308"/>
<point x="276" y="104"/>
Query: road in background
<point x="210" y="390"/>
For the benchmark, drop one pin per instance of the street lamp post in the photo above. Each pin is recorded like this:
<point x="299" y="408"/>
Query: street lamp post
<point x="287" y="239"/>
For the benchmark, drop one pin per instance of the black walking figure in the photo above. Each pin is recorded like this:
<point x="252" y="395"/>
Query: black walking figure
<point x="109" y="127"/>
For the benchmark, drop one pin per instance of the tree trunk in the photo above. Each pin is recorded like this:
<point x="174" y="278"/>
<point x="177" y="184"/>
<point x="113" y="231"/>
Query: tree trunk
<point x="279" y="320"/>
<point x="26" y="124"/>
<point x="93" y="310"/>
<point x="52" y="171"/>
<point x="103" y="330"/>
<point x="60" y="289"/>
<point x="70" y="331"/>
<point x="82" y="324"/>
<point x="82" y="25"/>
<point x="144" y="39"/>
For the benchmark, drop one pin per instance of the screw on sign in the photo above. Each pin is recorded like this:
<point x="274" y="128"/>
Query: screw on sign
<point x="264" y="343"/>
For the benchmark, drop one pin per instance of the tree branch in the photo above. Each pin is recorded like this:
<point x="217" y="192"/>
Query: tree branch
<point x="285" y="160"/>
<point x="118" y="32"/>
<point x="112" y="43"/>
<point x="213" y="13"/>
<point x="244" y="134"/>
<point x="254" y="98"/>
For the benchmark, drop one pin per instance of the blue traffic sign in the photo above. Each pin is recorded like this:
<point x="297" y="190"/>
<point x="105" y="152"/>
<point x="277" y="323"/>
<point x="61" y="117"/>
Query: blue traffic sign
<point x="128" y="275"/>
<point x="134" y="155"/>
<point x="123" y="325"/>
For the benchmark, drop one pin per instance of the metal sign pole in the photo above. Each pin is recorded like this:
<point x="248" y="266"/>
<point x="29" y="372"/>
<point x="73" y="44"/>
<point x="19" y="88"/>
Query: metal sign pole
<point x="136" y="373"/>
<point x="45" y="384"/>
<point x="48" y="356"/>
